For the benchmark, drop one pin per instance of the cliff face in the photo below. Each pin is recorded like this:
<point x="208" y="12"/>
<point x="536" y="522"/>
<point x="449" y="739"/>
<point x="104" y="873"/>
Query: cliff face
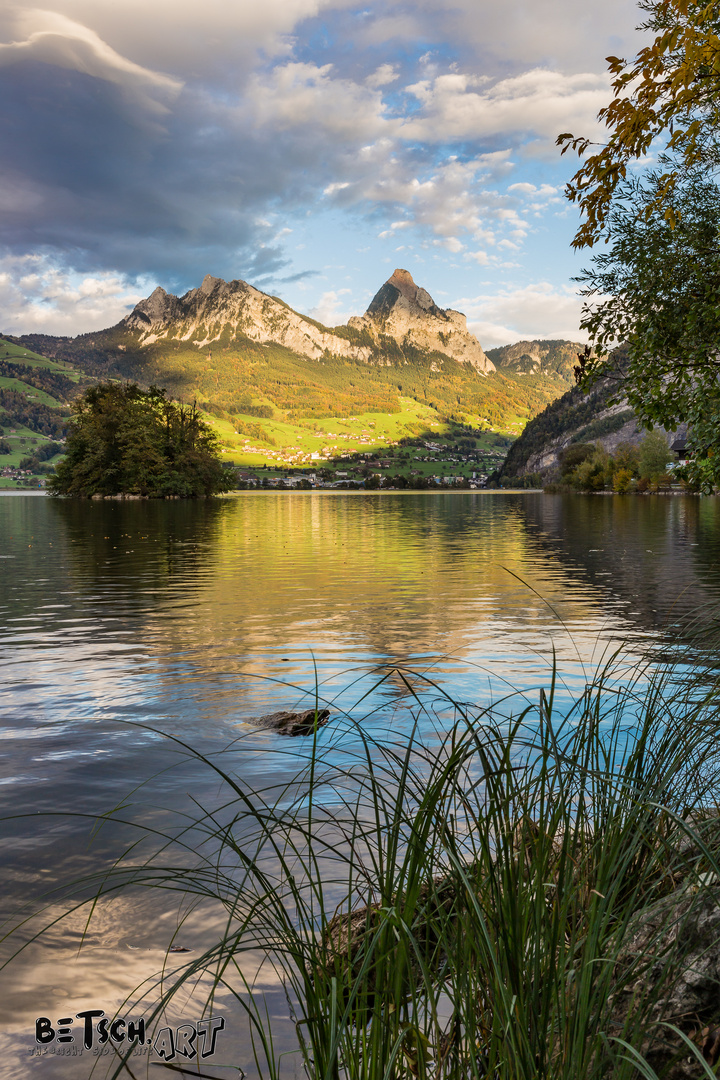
<point x="539" y="357"/>
<point x="601" y="416"/>
<point x="233" y="308"/>
<point x="403" y="311"/>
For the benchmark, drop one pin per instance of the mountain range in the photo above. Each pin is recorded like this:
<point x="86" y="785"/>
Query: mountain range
<point x="400" y="311"/>
<point x="280" y="384"/>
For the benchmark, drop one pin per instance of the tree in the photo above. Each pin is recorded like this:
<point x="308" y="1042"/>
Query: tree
<point x="659" y="283"/>
<point x="655" y="456"/>
<point x="124" y="440"/>
<point x="671" y="88"/>
<point x="661" y="275"/>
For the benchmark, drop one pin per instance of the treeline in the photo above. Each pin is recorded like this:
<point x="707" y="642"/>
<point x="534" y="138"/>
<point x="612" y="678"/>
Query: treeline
<point x="31" y="414"/>
<point x="587" y="467"/>
<point x="50" y="381"/>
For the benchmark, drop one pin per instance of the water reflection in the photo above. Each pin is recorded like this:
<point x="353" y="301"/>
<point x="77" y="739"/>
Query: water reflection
<point x="193" y="617"/>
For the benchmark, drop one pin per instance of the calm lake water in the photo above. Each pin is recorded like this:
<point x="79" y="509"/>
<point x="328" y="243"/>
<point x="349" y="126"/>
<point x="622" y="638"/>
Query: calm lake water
<point x="191" y="619"/>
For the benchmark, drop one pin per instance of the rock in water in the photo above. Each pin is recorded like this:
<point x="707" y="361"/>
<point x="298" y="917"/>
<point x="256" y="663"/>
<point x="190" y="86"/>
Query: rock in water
<point x="293" y="723"/>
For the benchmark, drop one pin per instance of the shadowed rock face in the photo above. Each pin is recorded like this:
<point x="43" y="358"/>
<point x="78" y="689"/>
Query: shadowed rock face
<point x="403" y="311"/>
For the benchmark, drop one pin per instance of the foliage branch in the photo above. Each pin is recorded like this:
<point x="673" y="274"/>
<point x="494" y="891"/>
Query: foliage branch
<point x="672" y="87"/>
<point x="657" y="289"/>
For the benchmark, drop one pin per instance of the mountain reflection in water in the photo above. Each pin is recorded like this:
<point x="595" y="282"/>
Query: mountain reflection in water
<point x="191" y="618"/>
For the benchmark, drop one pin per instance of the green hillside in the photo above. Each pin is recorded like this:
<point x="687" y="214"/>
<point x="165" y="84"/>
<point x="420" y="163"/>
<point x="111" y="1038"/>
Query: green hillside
<point x="257" y="383"/>
<point x="35" y="397"/>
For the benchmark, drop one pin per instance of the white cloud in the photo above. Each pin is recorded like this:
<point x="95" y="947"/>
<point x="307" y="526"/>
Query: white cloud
<point x="329" y="311"/>
<point x="310" y="97"/>
<point x="451" y="203"/>
<point x="384" y="75"/>
<point x="545" y="191"/>
<point x="542" y="102"/>
<point x="539" y="310"/>
<point x="38" y="296"/>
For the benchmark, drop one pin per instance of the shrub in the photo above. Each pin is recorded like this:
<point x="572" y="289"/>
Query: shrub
<point x="573" y="456"/>
<point x="593" y="473"/>
<point x="622" y="480"/>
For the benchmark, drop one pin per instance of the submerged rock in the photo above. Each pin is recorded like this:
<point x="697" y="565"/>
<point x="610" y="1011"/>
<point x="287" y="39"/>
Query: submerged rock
<point x="293" y="723"/>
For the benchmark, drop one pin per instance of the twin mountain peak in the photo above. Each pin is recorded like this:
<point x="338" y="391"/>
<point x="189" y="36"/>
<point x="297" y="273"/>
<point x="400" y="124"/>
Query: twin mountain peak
<point x="400" y="311"/>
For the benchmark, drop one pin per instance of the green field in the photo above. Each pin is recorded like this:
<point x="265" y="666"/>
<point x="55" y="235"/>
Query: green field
<point x="385" y="444"/>
<point x="22" y="439"/>
<point x="17" y="354"/>
<point x="32" y="392"/>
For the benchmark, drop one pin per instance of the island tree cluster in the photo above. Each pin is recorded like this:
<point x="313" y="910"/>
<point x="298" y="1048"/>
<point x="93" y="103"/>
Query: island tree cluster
<point x="125" y="440"/>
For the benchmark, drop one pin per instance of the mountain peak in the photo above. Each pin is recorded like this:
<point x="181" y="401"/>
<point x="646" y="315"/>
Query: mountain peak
<point x="209" y="282"/>
<point x="234" y="309"/>
<point x="402" y="310"/>
<point x="401" y="279"/>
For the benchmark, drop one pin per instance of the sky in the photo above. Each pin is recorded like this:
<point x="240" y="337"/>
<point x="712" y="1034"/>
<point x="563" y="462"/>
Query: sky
<point x="306" y="146"/>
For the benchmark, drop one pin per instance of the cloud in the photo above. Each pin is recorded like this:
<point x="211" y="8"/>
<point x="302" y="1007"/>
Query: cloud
<point x="54" y="39"/>
<point x="37" y="294"/>
<point x="194" y="42"/>
<point x="463" y="106"/>
<point x="329" y="311"/>
<point x="449" y="202"/>
<point x="171" y="140"/>
<point x="538" y="310"/>
<point x="384" y="75"/>
<point x="315" y="100"/>
<point x="517" y="35"/>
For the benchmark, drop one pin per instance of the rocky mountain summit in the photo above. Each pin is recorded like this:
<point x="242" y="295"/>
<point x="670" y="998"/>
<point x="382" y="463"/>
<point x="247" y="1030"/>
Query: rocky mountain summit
<point x="408" y="314"/>
<point x="400" y="310"/>
<point x="233" y="309"/>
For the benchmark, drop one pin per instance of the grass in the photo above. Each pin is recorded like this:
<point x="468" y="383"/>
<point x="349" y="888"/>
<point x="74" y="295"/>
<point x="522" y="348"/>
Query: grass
<point x="460" y="905"/>
<point x="18" y="354"/>
<point x="31" y="392"/>
<point x="355" y="436"/>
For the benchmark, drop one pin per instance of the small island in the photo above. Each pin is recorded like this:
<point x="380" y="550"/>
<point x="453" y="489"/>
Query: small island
<point x="127" y="442"/>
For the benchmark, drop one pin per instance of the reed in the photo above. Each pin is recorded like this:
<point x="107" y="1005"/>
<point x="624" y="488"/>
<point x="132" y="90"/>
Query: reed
<point x="459" y="906"/>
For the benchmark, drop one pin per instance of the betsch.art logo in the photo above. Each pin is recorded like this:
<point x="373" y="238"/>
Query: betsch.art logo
<point x="100" y="1034"/>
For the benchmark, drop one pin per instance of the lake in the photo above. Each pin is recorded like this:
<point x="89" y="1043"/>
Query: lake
<point x="193" y="618"/>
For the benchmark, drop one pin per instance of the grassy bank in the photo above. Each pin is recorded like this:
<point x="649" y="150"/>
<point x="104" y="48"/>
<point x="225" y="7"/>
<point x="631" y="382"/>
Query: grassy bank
<point x="516" y="897"/>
